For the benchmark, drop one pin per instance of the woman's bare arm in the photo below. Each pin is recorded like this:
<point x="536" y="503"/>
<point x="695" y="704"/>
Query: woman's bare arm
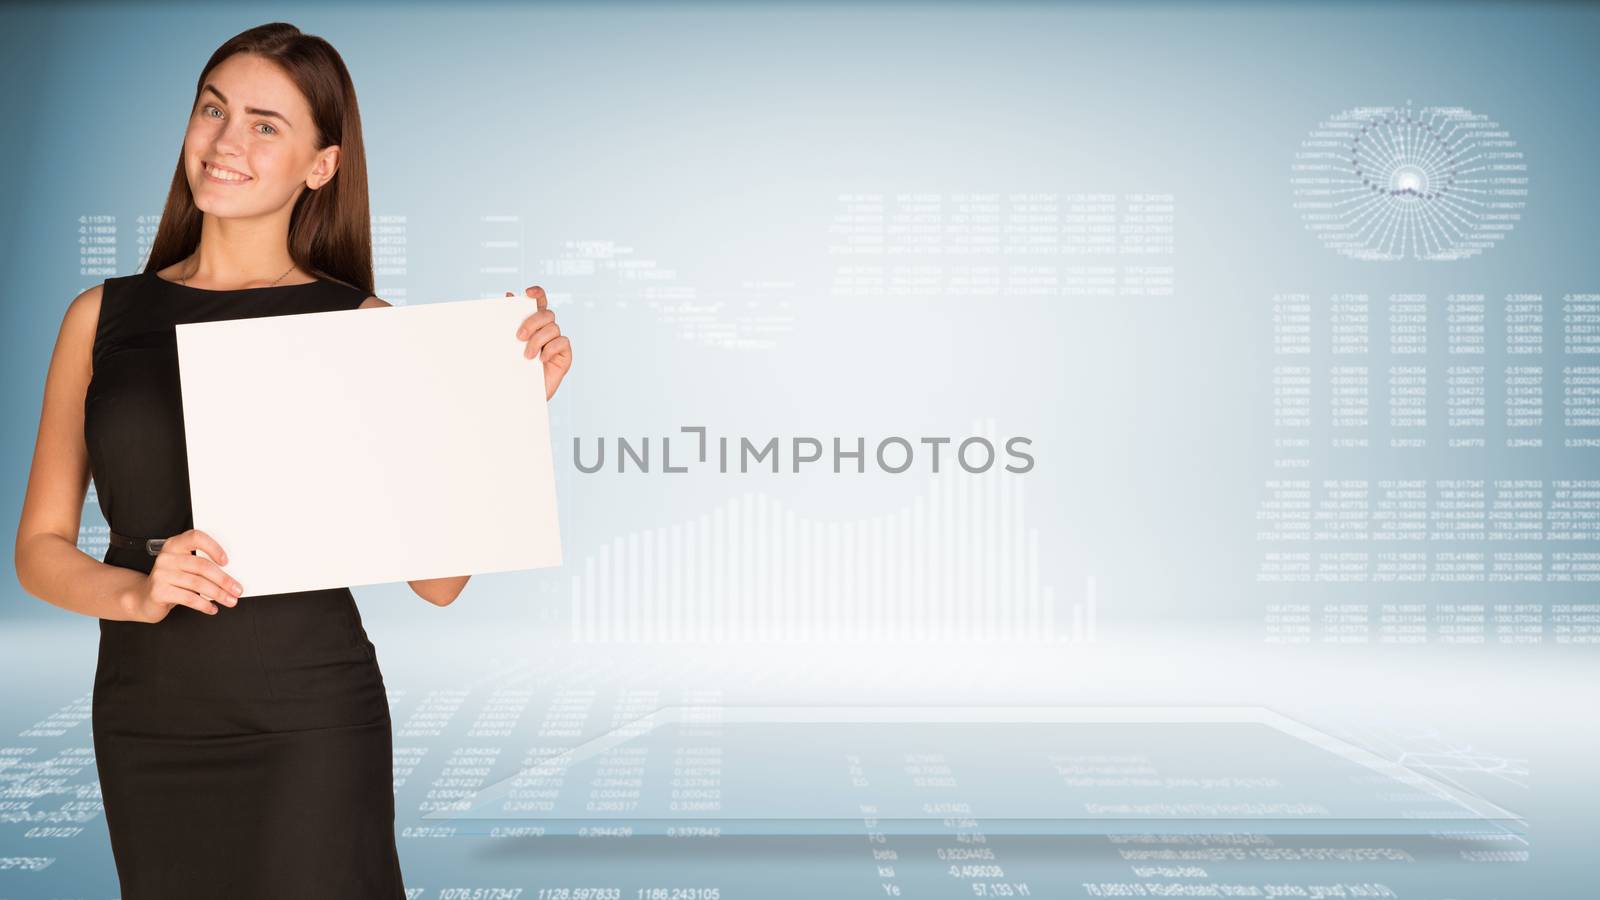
<point x="48" y="562"/>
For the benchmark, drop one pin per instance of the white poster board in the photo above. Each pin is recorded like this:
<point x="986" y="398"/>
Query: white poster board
<point x="368" y="446"/>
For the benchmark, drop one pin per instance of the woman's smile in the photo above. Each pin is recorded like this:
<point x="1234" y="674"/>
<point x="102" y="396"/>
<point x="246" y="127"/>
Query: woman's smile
<point x="223" y="175"/>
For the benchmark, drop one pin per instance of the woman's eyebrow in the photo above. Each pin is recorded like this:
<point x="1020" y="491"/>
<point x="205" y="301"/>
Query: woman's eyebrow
<point x="249" y="110"/>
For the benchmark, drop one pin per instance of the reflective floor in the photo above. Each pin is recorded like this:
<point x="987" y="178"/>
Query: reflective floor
<point x="1134" y="766"/>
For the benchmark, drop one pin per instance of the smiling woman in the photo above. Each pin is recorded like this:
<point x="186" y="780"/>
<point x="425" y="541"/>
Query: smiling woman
<point x="267" y="134"/>
<point x="258" y="720"/>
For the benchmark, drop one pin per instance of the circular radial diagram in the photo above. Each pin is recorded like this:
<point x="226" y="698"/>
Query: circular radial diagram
<point x="1388" y="183"/>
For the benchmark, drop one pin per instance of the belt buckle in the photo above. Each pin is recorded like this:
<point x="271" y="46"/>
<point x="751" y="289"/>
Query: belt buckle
<point x="153" y="546"/>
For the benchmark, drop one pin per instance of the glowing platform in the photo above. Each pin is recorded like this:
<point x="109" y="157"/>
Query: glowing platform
<point x="937" y="770"/>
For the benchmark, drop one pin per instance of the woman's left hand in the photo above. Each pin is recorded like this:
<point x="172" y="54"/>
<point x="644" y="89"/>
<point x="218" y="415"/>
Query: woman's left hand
<point x="545" y="340"/>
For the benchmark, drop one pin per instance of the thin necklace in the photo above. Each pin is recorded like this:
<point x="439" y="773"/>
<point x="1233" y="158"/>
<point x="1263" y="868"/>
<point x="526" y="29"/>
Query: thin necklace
<point x="185" y="280"/>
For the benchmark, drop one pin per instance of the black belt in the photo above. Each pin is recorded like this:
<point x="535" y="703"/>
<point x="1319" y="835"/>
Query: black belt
<point x="150" y="545"/>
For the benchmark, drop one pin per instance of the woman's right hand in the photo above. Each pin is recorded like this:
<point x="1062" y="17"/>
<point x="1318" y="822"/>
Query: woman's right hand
<point x="180" y="578"/>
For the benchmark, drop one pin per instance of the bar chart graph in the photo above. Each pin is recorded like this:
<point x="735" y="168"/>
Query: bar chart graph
<point x="959" y="563"/>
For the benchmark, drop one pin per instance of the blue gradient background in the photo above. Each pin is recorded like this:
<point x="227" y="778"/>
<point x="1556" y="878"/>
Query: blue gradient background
<point x="714" y="139"/>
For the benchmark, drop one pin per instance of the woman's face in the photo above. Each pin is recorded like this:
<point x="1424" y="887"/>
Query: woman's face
<point x="252" y="120"/>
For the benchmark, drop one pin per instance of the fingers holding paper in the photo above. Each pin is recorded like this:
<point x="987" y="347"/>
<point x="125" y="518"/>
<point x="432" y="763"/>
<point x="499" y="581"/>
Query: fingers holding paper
<point x="179" y="578"/>
<point x="545" y="340"/>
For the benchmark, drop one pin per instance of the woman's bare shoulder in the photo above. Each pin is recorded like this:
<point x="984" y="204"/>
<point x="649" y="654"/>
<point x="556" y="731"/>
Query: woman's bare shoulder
<point x="78" y="326"/>
<point x="83" y="313"/>
<point x="373" y="303"/>
<point x="88" y="299"/>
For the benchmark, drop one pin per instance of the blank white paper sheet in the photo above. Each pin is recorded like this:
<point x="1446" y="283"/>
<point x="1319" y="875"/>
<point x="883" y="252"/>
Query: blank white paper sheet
<point x="369" y="446"/>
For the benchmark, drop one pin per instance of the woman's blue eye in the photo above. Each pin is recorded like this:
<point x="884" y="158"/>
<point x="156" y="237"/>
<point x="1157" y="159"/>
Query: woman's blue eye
<point x="208" y="107"/>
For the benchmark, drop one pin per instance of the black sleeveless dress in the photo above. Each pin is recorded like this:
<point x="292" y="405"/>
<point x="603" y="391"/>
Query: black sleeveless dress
<point x="249" y="753"/>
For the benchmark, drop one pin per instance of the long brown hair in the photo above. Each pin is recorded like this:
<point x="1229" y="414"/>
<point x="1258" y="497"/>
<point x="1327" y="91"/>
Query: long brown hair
<point x="330" y="228"/>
